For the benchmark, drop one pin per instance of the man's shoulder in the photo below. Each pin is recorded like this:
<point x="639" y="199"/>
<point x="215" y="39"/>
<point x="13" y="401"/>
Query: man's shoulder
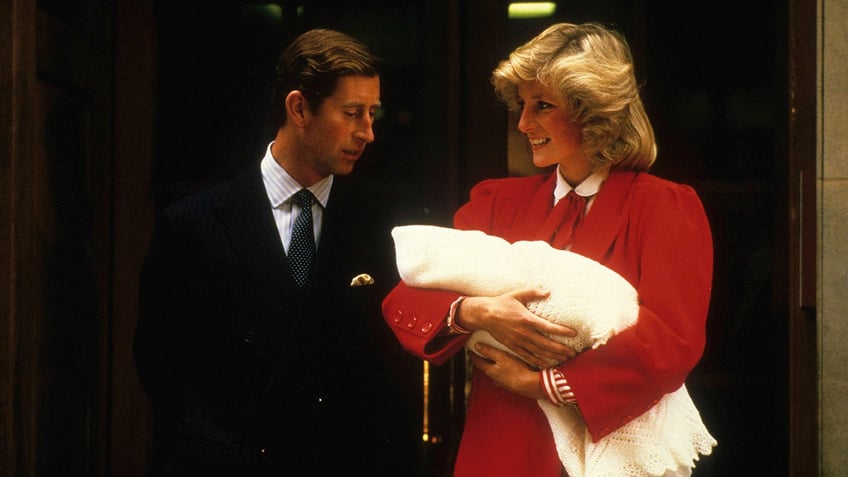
<point x="209" y="197"/>
<point x="195" y="204"/>
<point x="348" y="185"/>
<point x="351" y="194"/>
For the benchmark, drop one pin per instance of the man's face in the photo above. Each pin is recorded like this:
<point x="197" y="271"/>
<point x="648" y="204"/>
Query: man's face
<point x="336" y="134"/>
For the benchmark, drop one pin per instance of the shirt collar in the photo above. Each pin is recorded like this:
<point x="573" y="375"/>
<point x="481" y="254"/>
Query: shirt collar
<point x="281" y="187"/>
<point x="589" y="187"/>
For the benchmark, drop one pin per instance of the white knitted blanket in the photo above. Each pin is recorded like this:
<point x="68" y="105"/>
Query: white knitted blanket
<point x="584" y="295"/>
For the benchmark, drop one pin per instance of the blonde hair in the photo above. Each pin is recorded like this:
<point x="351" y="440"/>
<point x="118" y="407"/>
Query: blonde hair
<point x="591" y="68"/>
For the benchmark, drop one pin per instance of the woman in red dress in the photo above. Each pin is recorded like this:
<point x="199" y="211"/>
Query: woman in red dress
<point x="579" y="106"/>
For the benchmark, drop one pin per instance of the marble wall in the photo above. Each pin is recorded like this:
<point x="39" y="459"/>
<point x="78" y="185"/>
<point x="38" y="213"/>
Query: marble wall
<point x="833" y="237"/>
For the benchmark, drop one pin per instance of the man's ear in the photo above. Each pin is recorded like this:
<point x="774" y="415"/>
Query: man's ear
<point x="296" y="106"/>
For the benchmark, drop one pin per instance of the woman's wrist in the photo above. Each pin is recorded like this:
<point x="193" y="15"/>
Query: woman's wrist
<point x="453" y="326"/>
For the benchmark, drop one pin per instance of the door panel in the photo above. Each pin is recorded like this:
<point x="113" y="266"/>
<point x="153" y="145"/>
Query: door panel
<point x="61" y="242"/>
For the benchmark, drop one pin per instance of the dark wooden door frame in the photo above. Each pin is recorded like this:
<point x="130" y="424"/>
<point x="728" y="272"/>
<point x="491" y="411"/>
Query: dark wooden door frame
<point x="55" y="117"/>
<point x="17" y="78"/>
<point x="800" y="223"/>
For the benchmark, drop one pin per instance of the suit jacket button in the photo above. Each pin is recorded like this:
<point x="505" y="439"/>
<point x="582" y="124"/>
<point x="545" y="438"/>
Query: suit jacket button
<point x="411" y="323"/>
<point x="427" y="327"/>
<point x="398" y="317"/>
<point x="250" y="336"/>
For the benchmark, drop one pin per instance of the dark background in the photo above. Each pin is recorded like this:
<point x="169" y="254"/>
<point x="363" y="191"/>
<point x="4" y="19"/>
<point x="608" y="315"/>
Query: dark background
<point x="711" y="83"/>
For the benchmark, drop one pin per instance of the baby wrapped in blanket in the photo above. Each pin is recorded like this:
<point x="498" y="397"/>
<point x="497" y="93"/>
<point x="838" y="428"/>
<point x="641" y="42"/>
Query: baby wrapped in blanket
<point x="584" y="295"/>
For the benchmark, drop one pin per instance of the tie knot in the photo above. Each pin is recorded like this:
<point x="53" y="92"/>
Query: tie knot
<point x="561" y="225"/>
<point x="574" y="198"/>
<point x="303" y="198"/>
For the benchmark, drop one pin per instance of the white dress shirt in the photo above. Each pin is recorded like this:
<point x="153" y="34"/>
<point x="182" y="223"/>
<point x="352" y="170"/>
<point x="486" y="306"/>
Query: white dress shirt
<point x="281" y="188"/>
<point x="588" y="188"/>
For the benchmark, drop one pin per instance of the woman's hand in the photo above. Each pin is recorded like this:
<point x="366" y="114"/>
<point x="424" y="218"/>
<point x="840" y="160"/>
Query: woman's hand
<point x="508" y="320"/>
<point x="507" y="371"/>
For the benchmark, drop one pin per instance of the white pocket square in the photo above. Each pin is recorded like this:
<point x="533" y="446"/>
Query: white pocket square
<point x="361" y="280"/>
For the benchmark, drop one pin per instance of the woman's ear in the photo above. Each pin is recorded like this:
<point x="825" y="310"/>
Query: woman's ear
<point x="296" y="107"/>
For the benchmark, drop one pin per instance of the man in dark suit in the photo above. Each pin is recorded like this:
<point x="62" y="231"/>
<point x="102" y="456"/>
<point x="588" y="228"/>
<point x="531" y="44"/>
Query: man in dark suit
<point x="260" y="339"/>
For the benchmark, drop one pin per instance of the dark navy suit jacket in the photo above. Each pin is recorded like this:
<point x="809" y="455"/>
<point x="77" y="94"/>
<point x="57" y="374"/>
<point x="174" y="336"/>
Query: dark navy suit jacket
<point x="250" y="375"/>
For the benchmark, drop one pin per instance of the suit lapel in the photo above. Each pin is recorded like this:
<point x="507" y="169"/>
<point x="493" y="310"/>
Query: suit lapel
<point x="605" y="218"/>
<point x="249" y="222"/>
<point x="340" y="215"/>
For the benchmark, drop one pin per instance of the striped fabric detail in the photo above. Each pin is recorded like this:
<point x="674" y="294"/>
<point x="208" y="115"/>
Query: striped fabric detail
<point x="556" y="387"/>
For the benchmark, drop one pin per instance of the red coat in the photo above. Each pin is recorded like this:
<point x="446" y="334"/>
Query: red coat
<point x="651" y="231"/>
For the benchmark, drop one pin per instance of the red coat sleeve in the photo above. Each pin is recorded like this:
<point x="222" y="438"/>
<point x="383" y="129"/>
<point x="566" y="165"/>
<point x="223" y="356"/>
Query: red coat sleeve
<point x="417" y="316"/>
<point x="665" y="251"/>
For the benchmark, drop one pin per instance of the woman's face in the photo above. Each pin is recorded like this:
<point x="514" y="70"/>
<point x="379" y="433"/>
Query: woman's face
<point x="554" y="138"/>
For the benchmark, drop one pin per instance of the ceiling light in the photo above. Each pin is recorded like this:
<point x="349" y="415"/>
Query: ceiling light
<point x="531" y="9"/>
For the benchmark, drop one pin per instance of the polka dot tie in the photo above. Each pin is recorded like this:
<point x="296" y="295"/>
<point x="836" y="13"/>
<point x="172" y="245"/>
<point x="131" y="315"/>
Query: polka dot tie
<point x="302" y="246"/>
